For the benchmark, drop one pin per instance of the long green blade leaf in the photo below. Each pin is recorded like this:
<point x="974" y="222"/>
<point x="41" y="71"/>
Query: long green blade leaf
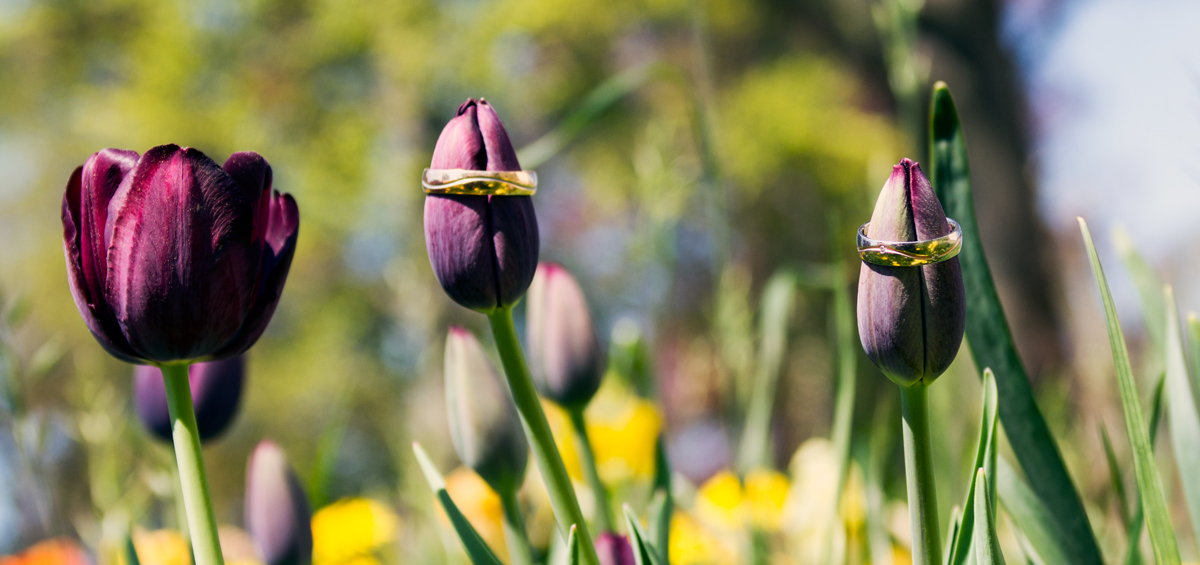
<point x="1150" y="289"/>
<point x="1154" y="503"/>
<point x="477" y="549"/>
<point x="662" y="505"/>
<point x="1031" y="516"/>
<point x="1193" y="329"/>
<point x="987" y="546"/>
<point x="952" y="534"/>
<point x="985" y="458"/>
<point x="572" y="547"/>
<point x="1116" y="482"/>
<point x="778" y="299"/>
<point x="1133" y="553"/>
<point x="1182" y="416"/>
<point x="644" y="552"/>
<point x="991" y="342"/>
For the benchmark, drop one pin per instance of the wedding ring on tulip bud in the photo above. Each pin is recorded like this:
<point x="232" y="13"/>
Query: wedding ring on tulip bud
<point x="910" y="253"/>
<point x="479" y="183"/>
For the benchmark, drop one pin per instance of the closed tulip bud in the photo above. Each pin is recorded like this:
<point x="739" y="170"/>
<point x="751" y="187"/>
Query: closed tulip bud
<point x="484" y="425"/>
<point x="564" y="354"/>
<point x="483" y="249"/>
<point x="216" y="390"/>
<point x="910" y="319"/>
<point x="614" y="549"/>
<point x="171" y="257"/>
<point x="277" y="514"/>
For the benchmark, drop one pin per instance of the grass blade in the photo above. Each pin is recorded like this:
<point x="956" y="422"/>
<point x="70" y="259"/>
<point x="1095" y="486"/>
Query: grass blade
<point x="952" y="534"/>
<point x="991" y="342"/>
<point x="1116" y="482"/>
<point x="1031" y="516"/>
<point x="1193" y="329"/>
<point x="1133" y="553"/>
<point x="477" y="549"/>
<point x="1150" y="289"/>
<point x="778" y="301"/>
<point x="662" y="505"/>
<point x="572" y="547"/>
<point x="644" y="553"/>
<point x="1182" y="415"/>
<point x="985" y="458"/>
<point x="987" y="546"/>
<point x="1154" y="504"/>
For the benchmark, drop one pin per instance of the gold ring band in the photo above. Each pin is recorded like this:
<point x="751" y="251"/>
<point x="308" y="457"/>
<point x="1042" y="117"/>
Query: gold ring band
<point x="910" y="253"/>
<point x="479" y="183"/>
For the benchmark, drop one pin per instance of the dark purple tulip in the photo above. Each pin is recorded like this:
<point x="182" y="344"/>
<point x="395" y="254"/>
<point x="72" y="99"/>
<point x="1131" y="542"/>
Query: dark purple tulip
<point x="614" y="549"/>
<point x="484" y="425"/>
<point x="277" y="514"/>
<point x="216" y="391"/>
<point x="910" y="319"/>
<point x="483" y="249"/>
<point x="171" y="257"/>
<point x="565" y="356"/>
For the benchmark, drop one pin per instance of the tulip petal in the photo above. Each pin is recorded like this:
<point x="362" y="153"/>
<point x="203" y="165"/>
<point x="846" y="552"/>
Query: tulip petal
<point x="457" y="237"/>
<point x="501" y="156"/>
<point x="460" y="146"/>
<point x="515" y="244"/>
<point x="283" y="226"/>
<point x="277" y="513"/>
<point x="181" y="276"/>
<point x="252" y="172"/>
<point x="85" y="215"/>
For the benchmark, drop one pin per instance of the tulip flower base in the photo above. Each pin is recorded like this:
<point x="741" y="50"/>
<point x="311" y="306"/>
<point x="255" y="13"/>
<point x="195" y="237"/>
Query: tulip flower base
<point x="537" y="428"/>
<point x="918" y="470"/>
<point x="201" y="522"/>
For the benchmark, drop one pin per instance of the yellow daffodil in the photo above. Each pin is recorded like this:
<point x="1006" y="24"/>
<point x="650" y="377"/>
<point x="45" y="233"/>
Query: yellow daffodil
<point x="766" y="492"/>
<point x="351" y="530"/>
<point x="624" y="432"/>
<point x="693" y="544"/>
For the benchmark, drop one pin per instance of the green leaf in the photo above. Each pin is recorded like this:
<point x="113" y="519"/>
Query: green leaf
<point x="991" y="342"/>
<point x="1133" y="555"/>
<point x="644" y="553"/>
<point x="987" y="546"/>
<point x="662" y="504"/>
<point x="952" y="534"/>
<point x="1154" y="503"/>
<point x="1193" y="329"/>
<point x="477" y="549"/>
<point x="131" y="556"/>
<point x="1116" y="482"/>
<point x="985" y="458"/>
<point x="1150" y="289"/>
<point x="777" y="304"/>
<point x="1182" y="416"/>
<point x="573" y="547"/>
<point x="1031" y="516"/>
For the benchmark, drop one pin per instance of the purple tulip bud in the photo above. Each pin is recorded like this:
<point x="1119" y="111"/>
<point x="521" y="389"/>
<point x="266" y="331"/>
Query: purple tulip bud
<point x="564" y="354"/>
<point x="277" y="514"/>
<point x="614" y="549"/>
<point x="171" y="257"/>
<point x="216" y="390"/>
<point x="484" y="425"/>
<point x="910" y="319"/>
<point x="483" y="249"/>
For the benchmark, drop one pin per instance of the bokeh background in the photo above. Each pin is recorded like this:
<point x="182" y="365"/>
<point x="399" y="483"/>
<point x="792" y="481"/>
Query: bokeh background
<point x="687" y="150"/>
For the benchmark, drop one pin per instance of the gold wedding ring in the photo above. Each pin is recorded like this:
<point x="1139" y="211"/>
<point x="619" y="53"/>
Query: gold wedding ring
<point x="910" y="253"/>
<point x="479" y="183"/>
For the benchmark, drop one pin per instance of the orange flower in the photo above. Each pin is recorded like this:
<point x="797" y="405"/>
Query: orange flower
<point x="57" y="551"/>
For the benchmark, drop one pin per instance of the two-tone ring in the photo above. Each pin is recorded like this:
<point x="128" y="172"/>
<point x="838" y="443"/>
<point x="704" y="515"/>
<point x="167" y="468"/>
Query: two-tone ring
<point x="479" y="183"/>
<point x="910" y="253"/>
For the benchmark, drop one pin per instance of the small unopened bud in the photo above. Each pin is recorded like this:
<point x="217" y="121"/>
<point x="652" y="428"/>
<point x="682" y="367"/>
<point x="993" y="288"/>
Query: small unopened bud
<point x="484" y="425"/>
<point x="910" y="319"/>
<point x="277" y="514"/>
<point x="614" y="549"/>
<point x="216" y="391"/>
<point x="564" y="354"/>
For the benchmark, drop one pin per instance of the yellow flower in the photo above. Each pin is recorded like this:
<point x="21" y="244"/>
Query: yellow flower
<point x="161" y="547"/>
<point x="480" y="504"/>
<point x="693" y="544"/>
<point x="351" y="530"/>
<point x="624" y="432"/>
<point x="721" y="501"/>
<point x="766" y="492"/>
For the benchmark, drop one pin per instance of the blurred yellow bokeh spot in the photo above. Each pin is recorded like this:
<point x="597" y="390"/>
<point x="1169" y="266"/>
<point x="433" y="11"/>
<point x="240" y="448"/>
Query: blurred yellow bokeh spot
<point x="723" y="500"/>
<point x="351" y="530"/>
<point x="623" y="429"/>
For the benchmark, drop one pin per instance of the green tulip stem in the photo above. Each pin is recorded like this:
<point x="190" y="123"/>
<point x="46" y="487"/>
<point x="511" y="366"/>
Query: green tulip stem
<point x="587" y="459"/>
<point x="514" y="529"/>
<point x="201" y="522"/>
<point x="918" y="469"/>
<point x="537" y="429"/>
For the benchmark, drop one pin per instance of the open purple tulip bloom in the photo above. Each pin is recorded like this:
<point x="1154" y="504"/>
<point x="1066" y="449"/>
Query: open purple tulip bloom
<point x="278" y="519"/>
<point x="483" y="249"/>
<point x="216" y="391"/>
<point x="910" y="319"/>
<point x="171" y="257"/>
